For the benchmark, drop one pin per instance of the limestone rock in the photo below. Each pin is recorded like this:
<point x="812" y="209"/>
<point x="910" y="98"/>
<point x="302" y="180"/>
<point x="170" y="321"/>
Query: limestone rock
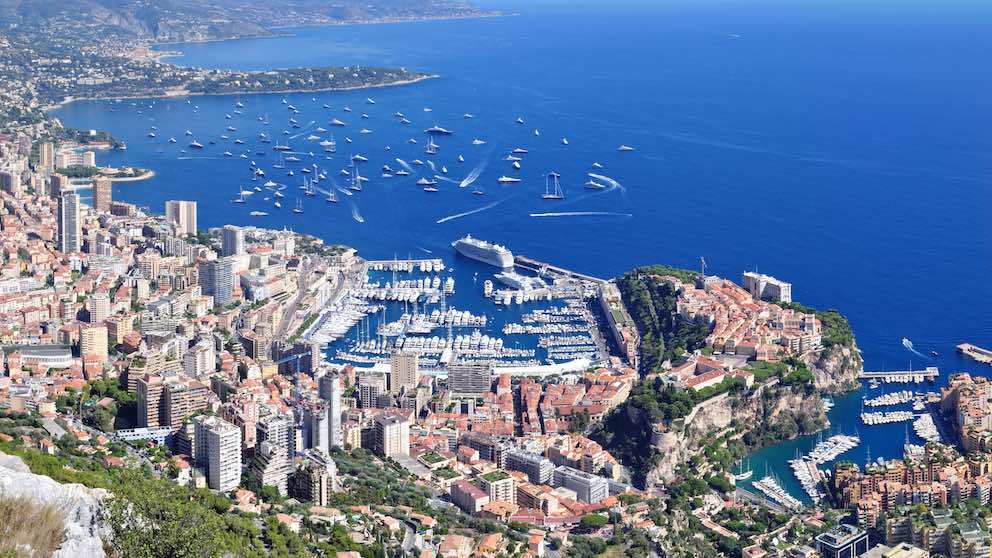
<point x="79" y="505"/>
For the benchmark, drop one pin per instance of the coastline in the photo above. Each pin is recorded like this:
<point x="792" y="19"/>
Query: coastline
<point x="144" y="176"/>
<point x="179" y="95"/>
<point x="274" y="34"/>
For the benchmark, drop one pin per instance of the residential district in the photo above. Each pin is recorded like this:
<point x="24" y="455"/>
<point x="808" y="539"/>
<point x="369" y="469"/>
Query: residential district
<point x="139" y="342"/>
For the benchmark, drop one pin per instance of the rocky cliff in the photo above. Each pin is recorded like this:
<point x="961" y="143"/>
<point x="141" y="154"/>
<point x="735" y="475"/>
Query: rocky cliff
<point x="78" y="505"/>
<point x="785" y="411"/>
<point x="836" y="368"/>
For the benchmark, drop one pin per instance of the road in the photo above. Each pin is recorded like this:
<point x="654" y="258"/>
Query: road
<point x="301" y="291"/>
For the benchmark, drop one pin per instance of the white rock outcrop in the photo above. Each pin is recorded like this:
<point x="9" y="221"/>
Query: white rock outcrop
<point x="79" y="505"/>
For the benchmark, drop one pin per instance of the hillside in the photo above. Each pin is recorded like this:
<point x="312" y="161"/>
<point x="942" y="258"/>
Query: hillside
<point x="187" y="20"/>
<point x="661" y="427"/>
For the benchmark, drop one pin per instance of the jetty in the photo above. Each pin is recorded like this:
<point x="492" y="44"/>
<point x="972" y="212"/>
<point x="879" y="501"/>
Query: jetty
<point x="930" y="373"/>
<point x="542" y="268"/>
<point x="976" y="353"/>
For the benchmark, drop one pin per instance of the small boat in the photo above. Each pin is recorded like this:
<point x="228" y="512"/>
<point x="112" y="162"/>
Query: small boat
<point x="402" y="172"/>
<point x="336" y="122"/>
<point x="172" y="140"/>
<point x="537" y="132"/>
<point x="228" y="154"/>
<point x="425" y="182"/>
<point x="369" y="100"/>
<point x="508" y="180"/>
<point x="444" y="170"/>
<point x="232" y="129"/>
<point x="519" y="151"/>
<point x="411" y="141"/>
<point x="593" y="185"/>
<point x="438" y="130"/>
<point x="346" y="109"/>
<point x="238" y="141"/>
<point x="467" y="115"/>
<point x="461" y="159"/>
<point x="597" y="166"/>
<point x="151" y="134"/>
<point x="360" y="158"/>
<point x="625" y="148"/>
<point x="299" y="206"/>
<point x="416" y="162"/>
<point x="564" y="141"/>
<point x="430" y="189"/>
<point x="512" y="158"/>
<point x="196" y="145"/>
<point x="277" y="205"/>
<point x="258" y="214"/>
<point x="477" y="192"/>
<point x="365" y="131"/>
<point x="327" y="106"/>
<point x="428" y="109"/>
<point x="188" y="133"/>
<point x="516" y="165"/>
<point x="934" y="353"/>
<point x="520" y="120"/>
<point x="477" y="141"/>
<point x="365" y="116"/>
<point x="344" y="172"/>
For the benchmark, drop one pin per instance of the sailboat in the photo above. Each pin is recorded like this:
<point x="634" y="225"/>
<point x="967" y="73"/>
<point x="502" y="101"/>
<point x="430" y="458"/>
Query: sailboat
<point x="431" y="147"/>
<point x="299" y="206"/>
<point x="241" y="196"/>
<point x="552" y="188"/>
<point x="742" y="474"/>
<point x="331" y="198"/>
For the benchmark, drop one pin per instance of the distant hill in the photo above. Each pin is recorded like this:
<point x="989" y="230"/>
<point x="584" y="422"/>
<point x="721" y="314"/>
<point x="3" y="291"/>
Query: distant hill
<point x="190" y="20"/>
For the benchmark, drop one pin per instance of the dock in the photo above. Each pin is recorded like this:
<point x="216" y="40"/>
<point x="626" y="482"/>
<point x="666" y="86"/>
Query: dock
<point x="902" y="376"/>
<point x="975" y="353"/>
<point x="543" y="268"/>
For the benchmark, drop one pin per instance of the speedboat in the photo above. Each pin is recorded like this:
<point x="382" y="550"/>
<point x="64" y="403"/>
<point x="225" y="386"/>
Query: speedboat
<point x="467" y="115"/>
<point x="336" y="122"/>
<point x="369" y="101"/>
<point x="507" y="180"/>
<point x="438" y="130"/>
<point x="520" y="120"/>
<point x="258" y="214"/>
<point x="625" y="148"/>
<point x="477" y="141"/>
<point x="597" y="166"/>
<point x="519" y="151"/>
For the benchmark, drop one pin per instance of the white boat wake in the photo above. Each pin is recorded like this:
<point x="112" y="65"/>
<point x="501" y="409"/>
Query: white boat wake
<point x="424" y="250"/>
<point x="909" y="345"/>
<point x="613" y="184"/>
<point x="474" y="175"/>
<point x="467" y="213"/>
<point x="582" y="214"/>
<point x="404" y="164"/>
<point x="355" y="214"/>
<point x="445" y="178"/>
<point x="431" y="165"/>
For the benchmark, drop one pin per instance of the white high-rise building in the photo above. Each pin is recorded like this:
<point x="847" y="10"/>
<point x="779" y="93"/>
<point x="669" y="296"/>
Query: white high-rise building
<point x="392" y="434"/>
<point x="183" y="214"/>
<point x="99" y="305"/>
<point x="232" y="241"/>
<point x="331" y="391"/>
<point x="318" y="427"/>
<point x="69" y="228"/>
<point x="218" y="451"/>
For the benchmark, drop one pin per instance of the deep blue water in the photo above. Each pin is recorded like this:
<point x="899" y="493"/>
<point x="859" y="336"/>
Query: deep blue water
<point x="841" y="146"/>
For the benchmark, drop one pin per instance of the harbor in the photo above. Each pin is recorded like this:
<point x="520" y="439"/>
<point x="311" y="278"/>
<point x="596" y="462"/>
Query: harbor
<point x="928" y="374"/>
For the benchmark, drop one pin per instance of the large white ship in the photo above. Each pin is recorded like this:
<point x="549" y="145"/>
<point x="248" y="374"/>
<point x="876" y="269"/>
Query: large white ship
<point x="487" y="252"/>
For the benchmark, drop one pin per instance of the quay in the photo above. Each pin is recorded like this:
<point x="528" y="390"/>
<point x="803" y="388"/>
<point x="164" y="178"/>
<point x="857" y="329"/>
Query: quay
<point x="975" y="353"/>
<point x="542" y="268"/>
<point x="902" y="376"/>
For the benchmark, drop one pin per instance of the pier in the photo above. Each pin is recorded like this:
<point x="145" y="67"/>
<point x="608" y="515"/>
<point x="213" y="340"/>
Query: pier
<point x="542" y="268"/>
<point x="975" y="353"/>
<point x="902" y="376"/>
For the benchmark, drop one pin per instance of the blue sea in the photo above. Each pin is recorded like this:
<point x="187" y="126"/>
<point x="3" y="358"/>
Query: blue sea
<point x="841" y="146"/>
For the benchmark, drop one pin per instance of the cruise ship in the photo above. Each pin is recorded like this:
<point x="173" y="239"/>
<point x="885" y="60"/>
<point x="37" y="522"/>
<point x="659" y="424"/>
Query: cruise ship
<point x="487" y="252"/>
